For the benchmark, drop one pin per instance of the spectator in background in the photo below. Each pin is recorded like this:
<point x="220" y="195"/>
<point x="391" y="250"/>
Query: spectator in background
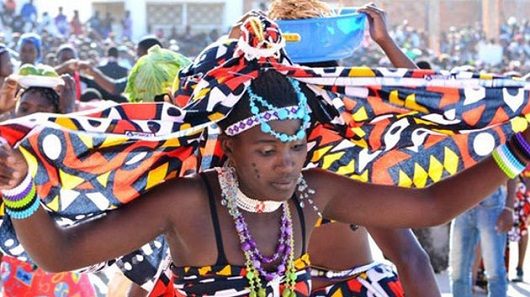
<point x="66" y="58"/>
<point x="10" y="6"/>
<point x="145" y="44"/>
<point x="30" y="49"/>
<point x="61" y="23"/>
<point x="50" y="59"/>
<point x="46" y="24"/>
<point x="107" y="25"/>
<point x="117" y="86"/>
<point x="519" y="232"/>
<point x="95" y="23"/>
<point x="127" y="26"/>
<point x="112" y="69"/>
<point x="486" y="223"/>
<point x="91" y="94"/>
<point x="17" y="24"/>
<point x="29" y="14"/>
<point x="423" y="64"/>
<point x="6" y="67"/>
<point x="7" y="102"/>
<point x="76" y="27"/>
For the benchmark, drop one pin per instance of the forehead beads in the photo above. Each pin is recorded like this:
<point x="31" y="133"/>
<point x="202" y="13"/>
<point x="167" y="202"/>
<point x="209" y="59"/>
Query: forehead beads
<point x="295" y="112"/>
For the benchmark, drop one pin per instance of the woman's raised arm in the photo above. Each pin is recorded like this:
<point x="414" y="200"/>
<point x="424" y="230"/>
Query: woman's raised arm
<point x="54" y="248"/>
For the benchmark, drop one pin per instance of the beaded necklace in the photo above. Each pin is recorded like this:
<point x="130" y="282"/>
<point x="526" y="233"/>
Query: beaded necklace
<point x="254" y="259"/>
<point x="257" y="206"/>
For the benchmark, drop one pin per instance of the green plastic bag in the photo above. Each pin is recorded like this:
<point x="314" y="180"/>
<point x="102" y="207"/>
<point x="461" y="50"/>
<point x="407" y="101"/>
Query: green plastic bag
<point x="154" y="73"/>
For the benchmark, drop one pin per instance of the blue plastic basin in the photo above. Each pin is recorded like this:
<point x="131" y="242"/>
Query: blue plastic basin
<point x="325" y="38"/>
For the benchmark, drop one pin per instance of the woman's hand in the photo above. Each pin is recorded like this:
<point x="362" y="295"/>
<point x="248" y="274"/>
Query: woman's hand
<point x="504" y="221"/>
<point x="13" y="166"/>
<point x="7" y="94"/>
<point x="377" y="21"/>
<point x="67" y="95"/>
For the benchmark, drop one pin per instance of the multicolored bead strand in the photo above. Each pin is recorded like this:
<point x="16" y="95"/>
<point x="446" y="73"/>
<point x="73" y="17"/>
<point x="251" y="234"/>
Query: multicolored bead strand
<point x="22" y="201"/>
<point x="290" y="275"/>
<point x="255" y="261"/>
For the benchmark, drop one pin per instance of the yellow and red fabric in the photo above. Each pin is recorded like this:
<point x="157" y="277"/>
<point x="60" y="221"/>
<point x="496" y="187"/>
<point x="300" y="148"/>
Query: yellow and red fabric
<point x="21" y="279"/>
<point x="403" y="127"/>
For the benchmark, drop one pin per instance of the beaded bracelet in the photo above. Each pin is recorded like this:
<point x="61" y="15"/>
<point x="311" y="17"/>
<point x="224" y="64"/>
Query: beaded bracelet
<point x="522" y="145"/>
<point x="22" y="201"/>
<point x="507" y="162"/>
<point x="508" y="208"/>
<point x="20" y="188"/>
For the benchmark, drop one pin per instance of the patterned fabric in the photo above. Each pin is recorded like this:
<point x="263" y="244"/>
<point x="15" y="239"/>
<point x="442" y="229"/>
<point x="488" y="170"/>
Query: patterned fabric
<point x="402" y="127"/>
<point x="379" y="281"/>
<point x="227" y="280"/>
<point x="521" y="211"/>
<point x="21" y="279"/>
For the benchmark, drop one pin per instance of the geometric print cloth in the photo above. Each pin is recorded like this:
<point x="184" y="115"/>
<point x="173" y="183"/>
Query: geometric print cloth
<point x="403" y="127"/>
<point x="380" y="280"/>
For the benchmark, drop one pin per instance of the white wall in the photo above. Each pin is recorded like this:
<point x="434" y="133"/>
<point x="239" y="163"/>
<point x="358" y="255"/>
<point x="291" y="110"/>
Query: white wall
<point x="234" y="9"/>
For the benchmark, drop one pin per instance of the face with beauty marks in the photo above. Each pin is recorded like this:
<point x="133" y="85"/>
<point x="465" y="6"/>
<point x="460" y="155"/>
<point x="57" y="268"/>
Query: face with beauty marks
<point x="267" y="168"/>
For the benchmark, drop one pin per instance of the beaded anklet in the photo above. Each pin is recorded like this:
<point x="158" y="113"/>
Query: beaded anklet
<point x="22" y="201"/>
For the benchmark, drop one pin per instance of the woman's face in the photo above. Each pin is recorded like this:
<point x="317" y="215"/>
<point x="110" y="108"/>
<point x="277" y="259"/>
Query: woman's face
<point x="28" y="53"/>
<point x="32" y="102"/>
<point x="267" y="168"/>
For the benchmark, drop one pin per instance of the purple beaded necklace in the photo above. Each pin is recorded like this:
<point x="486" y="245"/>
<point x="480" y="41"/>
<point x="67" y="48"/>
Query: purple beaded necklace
<point x="254" y="259"/>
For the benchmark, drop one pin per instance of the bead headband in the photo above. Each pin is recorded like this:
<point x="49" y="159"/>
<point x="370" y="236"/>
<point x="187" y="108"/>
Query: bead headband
<point x="299" y="112"/>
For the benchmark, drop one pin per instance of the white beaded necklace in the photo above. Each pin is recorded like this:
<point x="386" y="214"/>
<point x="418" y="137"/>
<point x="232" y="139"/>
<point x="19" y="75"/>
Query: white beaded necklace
<point x="256" y="206"/>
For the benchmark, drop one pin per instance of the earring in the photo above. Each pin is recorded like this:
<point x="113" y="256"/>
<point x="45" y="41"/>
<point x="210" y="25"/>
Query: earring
<point x="305" y="193"/>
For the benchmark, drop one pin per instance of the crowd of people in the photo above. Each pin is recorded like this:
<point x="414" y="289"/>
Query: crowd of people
<point x="467" y="46"/>
<point x="95" y="62"/>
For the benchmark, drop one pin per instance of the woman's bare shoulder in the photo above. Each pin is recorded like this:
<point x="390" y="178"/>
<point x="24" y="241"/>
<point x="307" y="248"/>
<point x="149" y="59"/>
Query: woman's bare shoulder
<point x="190" y="187"/>
<point x="319" y="175"/>
<point x="328" y="181"/>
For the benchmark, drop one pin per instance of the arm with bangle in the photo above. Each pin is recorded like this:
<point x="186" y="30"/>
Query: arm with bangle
<point x="55" y="248"/>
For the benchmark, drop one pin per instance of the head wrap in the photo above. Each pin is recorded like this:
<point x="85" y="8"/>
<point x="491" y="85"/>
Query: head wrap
<point x="400" y="127"/>
<point x="34" y="39"/>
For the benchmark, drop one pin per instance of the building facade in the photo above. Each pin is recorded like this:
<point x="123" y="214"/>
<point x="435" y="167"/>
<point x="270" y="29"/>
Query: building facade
<point x="167" y="15"/>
